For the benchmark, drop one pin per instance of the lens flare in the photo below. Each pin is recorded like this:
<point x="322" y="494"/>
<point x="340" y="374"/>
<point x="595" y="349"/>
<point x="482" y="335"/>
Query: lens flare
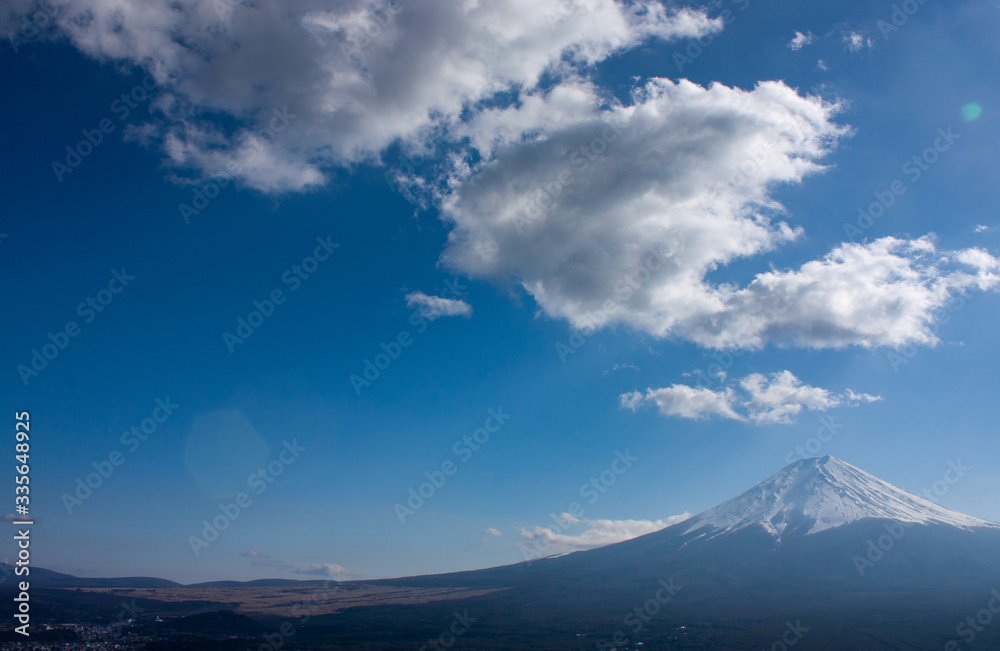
<point x="971" y="112"/>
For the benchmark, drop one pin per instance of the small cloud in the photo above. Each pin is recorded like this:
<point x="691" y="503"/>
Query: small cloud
<point x="493" y="531"/>
<point x="597" y="534"/>
<point x="756" y="398"/>
<point x="694" y="403"/>
<point x="801" y="40"/>
<point x="619" y="367"/>
<point x="982" y="228"/>
<point x="631" y="400"/>
<point x="821" y="64"/>
<point x="435" y="307"/>
<point x="330" y="570"/>
<point x="856" y="41"/>
<point x="720" y="374"/>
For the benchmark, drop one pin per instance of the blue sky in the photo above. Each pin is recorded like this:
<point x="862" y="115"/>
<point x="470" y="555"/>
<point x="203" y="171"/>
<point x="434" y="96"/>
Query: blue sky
<point x="903" y="363"/>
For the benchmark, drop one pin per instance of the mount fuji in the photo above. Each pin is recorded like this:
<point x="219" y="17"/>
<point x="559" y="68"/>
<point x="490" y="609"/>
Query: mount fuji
<point x="821" y="555"/>
<point x="814" y="495"/>
<point x="861" y="563"/>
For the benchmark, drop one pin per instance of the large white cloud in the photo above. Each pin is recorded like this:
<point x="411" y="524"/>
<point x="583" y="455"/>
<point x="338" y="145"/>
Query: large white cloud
<point x="356" y="74"/>
<point x="605" y="211"/>
<point x="763" y="400"/>
<point x="619" y="214"/>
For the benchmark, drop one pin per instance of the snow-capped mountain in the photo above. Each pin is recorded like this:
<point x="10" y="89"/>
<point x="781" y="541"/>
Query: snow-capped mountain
<point x="820" y="551"/>
<point x="813" y="495"/>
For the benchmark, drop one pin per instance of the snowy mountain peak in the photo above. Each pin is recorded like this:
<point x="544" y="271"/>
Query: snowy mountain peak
<point x="811" y="495"/>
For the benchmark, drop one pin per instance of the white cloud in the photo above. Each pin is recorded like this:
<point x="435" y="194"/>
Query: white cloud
<point x="330" y="570"/>
<point x="493" y="531"/>
<point x="982" y="228"/>
<point x="782" y="397"/>
<point x="685" y="402"/>
<point x="883" y="293"/>
<point x="435" y="307"/>
<point x="605" y="212"/>
<point x="801" y="40"/>
<point x="856" y="41"/>
<point x="597" y="534"/>
<point x="762" y="400"/>
<point x="356" y="74"/>
<point x="617" y="216"/>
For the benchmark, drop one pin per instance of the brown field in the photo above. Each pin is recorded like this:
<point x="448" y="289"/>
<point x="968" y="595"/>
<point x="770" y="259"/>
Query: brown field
<point x="286" y="601"/>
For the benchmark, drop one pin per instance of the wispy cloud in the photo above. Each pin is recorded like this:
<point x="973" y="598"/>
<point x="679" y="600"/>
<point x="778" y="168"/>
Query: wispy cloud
<point x="435" y="307"/>
<point x="856" y="41"/>
<point x="801" y="40"/>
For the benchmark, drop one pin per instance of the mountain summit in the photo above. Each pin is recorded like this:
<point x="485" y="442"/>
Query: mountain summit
<point x="812" y="495"/>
